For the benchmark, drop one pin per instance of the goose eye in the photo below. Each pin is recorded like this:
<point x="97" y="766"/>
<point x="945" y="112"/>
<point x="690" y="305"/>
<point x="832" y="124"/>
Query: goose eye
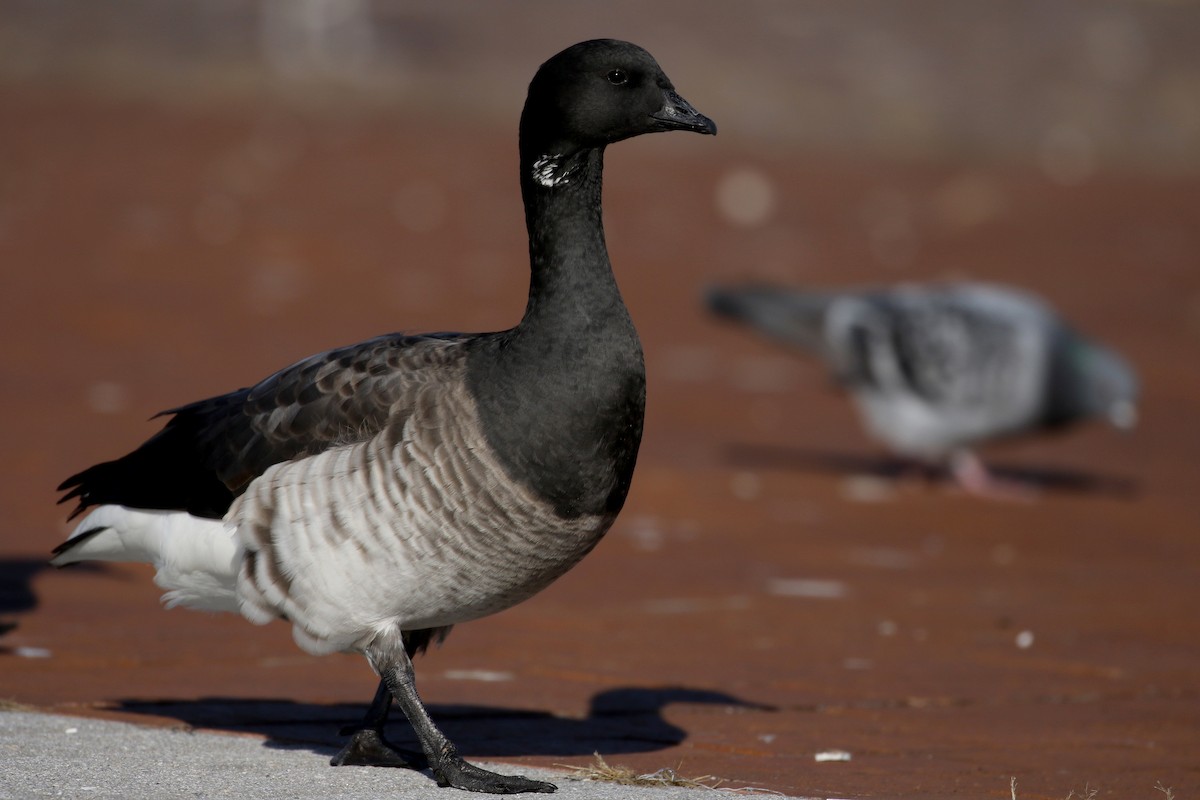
<point x="618" y="77"/>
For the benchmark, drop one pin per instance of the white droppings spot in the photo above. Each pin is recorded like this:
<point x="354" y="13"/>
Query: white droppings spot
<point x="745" y="485"/>
<point x="107" y="397"/>
<point x="1067" y="155"/>
<point x="887" y="628"/>
<point x="745" y="196"/>
<point x="546" y="171"/>
<point x="766" y="738"/>
<point x="32" y="652"/>
<point x="420" y="206"/>
<point x="832" y="755"/>
<point x="824" y="588"/>
<point x="1024" y="639"/>
<point x="482" y="675"/>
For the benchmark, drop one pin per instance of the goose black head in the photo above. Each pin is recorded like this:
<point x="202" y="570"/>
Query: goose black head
<point x="598" y="92"/>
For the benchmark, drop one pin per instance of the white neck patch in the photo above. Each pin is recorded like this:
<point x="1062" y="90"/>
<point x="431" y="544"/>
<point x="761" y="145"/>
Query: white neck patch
<point x="548" y="172"/>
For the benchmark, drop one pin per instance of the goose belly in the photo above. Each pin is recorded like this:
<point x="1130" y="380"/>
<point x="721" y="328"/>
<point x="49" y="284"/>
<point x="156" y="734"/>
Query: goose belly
<point x="396" y="533"/>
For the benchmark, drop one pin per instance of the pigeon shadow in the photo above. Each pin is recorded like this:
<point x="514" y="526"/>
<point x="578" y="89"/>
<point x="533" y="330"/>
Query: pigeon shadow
<point x="895" y="467"/>
<point x="624" y="720"/>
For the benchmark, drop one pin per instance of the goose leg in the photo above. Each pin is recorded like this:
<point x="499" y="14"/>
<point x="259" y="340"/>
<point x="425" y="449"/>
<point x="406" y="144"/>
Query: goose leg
<point x="368" y="747"/>
<point x="389" y="659"/>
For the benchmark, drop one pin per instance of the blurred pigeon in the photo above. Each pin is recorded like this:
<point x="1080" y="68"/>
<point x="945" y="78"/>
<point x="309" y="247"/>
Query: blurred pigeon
<point x="937" y="368"/>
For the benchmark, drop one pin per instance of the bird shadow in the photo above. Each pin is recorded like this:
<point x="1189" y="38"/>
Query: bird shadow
<point x="888" y="467"/>
<point x="623" y="720"/>
<point x="16" y="589"/>
<point x="16" y="583"/>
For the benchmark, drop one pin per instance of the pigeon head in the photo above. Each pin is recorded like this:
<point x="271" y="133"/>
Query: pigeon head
<point x="1094" y="381"/>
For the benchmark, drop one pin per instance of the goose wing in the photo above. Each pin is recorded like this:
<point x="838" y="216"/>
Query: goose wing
<point x="210" y="450"/>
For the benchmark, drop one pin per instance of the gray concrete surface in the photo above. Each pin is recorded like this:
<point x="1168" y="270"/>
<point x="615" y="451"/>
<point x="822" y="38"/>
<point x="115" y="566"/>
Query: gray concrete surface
<point x="47" y="755"/>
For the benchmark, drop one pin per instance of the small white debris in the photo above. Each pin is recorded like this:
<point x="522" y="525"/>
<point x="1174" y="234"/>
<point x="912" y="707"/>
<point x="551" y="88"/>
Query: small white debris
<point x="766" y="738"/>
<point x="888" y="628"/>
<point x="71" y="730"/>
<point x="1025" y="639"/>
<point x="806" y="587"/>
<point x="32" y="652"/>
<point x="484" y="675"/>
<point x="832" y="755"/>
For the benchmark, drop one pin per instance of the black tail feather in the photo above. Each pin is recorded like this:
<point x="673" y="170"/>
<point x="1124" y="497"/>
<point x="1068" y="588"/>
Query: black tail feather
<point x="167" y="472"/>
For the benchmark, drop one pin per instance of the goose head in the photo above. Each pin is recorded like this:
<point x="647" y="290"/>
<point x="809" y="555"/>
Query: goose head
<point x="593" y="94"/>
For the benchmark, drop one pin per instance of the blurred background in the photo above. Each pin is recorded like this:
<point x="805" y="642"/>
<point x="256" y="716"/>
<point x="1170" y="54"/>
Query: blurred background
<point x="193" y="194"/>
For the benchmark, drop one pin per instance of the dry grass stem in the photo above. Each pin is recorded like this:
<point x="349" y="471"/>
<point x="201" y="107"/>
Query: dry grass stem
<point x="601" y="770"/>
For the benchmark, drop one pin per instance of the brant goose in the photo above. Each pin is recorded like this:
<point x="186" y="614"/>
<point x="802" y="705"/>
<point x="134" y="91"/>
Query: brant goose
<point x="376" y="495"/>
<point x="936" y="368"/>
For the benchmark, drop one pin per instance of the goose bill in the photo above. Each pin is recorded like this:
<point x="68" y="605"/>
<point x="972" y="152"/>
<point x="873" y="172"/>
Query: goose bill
<point x="678" y="114"/>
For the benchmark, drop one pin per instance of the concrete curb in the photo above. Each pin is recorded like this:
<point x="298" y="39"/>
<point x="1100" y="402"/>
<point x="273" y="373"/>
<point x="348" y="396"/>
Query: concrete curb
<point x="48" y="755"/>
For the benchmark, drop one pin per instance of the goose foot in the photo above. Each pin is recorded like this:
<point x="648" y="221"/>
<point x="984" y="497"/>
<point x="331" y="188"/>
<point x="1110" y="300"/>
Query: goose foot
<point x="389" y="658"/>
<point x="455" y="772"/>
<point x="369" y="748"/>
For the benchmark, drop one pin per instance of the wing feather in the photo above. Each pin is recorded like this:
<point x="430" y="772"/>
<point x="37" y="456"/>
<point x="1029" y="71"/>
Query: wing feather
<point x="210" y="450"/>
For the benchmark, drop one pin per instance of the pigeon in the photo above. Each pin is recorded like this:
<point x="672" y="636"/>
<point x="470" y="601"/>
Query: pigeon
<point x="938" y="368"/>
<point x="375" y="495"/>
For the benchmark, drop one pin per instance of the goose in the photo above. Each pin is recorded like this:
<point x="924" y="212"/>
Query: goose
<point x="937" y="368"/>
<point x="375" y="495"/>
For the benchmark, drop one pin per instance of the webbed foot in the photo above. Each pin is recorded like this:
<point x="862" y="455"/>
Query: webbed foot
<point x="453" y="771"/>
<point x="368" y="748"/>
